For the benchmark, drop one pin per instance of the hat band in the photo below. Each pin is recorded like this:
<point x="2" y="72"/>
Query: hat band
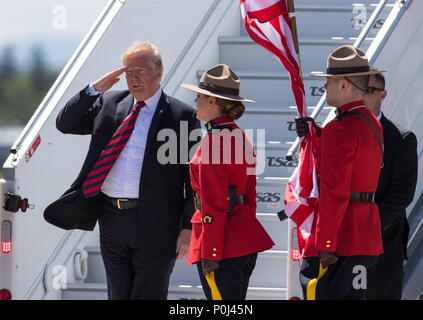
<point x="347" y="70"/>
<point x="218" y="89"/>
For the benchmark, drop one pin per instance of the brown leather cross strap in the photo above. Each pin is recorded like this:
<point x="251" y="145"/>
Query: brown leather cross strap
<point x="371" y="124"/>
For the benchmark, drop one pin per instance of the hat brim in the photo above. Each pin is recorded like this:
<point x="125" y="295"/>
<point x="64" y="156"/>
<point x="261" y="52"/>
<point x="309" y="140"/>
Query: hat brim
<point x="209" y="93"/>
<point x="326" y="75"/>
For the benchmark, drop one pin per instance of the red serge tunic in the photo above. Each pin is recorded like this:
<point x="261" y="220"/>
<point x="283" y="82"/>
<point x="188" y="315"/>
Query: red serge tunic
<point x="350" y="159"/>
<point x="220" y="162"/>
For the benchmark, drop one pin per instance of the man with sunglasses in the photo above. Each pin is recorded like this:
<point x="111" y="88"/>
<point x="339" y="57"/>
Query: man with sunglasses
<point x="395" y="191"/>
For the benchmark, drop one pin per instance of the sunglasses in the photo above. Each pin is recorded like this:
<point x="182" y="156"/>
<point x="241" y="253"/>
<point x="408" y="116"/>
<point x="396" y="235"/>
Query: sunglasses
<point x="373" y="89"/>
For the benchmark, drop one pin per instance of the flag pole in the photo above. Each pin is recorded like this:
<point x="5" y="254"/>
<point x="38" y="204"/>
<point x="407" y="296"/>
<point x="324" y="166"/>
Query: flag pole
<point x="293" y="21"/>
<point x="291" y="12"/>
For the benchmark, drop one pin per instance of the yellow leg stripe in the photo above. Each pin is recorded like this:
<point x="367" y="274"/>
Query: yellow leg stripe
<point x="213" y="287"/>
<point x="311" y="286"/>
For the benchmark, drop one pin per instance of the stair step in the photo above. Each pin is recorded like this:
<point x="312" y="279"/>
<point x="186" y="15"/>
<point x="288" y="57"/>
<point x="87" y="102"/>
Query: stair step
<point x="274" y="125"/>
<point x="279" y="110"/>
<point x="336" y="2"/>
<point x="267" y="87"/>
<point x="188" y="292"/>
<point x="98" y="291"/>
<point x="270" y="193"/>
<point x="270" y="270"/>
<point x="334" y="20"/>
<point x="242" y="53"/>
<point x="85" y="291"/>
<point x="274" y="162"/>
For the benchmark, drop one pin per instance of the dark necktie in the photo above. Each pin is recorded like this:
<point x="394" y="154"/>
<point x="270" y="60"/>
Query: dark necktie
<point x="94" y="180"/>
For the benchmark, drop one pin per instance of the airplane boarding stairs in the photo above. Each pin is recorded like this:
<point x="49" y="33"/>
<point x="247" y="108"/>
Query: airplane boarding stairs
<point x="322" y="26"/>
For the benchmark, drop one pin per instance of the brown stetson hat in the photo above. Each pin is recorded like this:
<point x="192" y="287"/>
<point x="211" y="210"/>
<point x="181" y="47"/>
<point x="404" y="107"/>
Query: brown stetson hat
<point x="219" y="81"/>
<point x="347" y="61"/>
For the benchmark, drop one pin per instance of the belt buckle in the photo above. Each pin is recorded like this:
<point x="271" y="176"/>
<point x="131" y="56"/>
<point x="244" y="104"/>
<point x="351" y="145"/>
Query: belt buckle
<point x="118" y="202"/>
<point x="373" y="196"/>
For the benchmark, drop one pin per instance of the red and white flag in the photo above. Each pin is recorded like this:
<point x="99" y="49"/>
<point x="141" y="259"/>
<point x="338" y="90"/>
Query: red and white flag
<point x="268" y="23"/>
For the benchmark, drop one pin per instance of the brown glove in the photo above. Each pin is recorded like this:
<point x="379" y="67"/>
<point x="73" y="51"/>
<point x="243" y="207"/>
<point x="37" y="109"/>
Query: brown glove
<point x="302" y="126"/>
<point x="327" y="258"/>
<point x="209" y="266"/>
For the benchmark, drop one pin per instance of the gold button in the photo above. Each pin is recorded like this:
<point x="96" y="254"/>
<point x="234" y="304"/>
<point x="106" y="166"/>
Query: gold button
<point x="214" y="249"/>
<point x="328" y="241"/>
<point x="214" y="254"/>
<point x="328" y="246"/>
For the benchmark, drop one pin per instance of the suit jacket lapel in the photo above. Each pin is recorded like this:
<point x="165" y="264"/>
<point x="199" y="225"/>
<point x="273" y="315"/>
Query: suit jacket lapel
<point x="122" y="110"/>
<point x="384" y="123"/>
<point x="161" y="106"/>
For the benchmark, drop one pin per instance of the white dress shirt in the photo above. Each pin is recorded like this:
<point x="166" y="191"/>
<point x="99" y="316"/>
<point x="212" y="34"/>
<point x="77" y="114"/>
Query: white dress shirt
<point x="123" y="180"/>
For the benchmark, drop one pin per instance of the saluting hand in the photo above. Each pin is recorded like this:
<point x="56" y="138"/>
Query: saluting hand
<point x="108" y="80"/>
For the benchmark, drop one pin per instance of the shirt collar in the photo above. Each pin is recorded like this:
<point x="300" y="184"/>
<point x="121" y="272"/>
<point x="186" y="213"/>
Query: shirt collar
<point x="152" y="102"/>
<point x="379" y="116"/>
<point x="216" y="121"/>
<point x="222" y="119"/>
<point x="351" y="105"/>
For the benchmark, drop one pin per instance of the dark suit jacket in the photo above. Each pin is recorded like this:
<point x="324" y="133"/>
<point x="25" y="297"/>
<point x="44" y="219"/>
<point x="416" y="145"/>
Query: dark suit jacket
<point x="166" y="203"/>
<point x="397" y="183"/>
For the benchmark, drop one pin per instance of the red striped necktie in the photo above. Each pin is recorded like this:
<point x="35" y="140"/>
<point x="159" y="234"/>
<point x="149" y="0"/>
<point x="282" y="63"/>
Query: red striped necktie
<point x="94" y="180"/>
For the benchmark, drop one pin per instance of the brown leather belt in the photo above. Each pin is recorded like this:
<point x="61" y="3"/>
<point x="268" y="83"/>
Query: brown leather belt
<point x="356" y="196"/>
<point x="121" y="203"/>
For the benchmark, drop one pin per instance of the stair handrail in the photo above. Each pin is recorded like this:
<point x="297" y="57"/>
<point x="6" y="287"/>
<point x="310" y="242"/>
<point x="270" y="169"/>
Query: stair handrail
<point x="190" y="42"/>
<point x="110" y="6"/>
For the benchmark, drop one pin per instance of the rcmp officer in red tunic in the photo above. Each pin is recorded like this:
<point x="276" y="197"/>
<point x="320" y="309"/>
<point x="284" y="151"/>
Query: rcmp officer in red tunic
<point x="346" y="236"/>
<point x="226" y="235"/>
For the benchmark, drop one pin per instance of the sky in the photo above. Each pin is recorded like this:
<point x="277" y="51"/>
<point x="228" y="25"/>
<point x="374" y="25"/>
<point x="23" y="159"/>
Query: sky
<point x="56" y="25"/>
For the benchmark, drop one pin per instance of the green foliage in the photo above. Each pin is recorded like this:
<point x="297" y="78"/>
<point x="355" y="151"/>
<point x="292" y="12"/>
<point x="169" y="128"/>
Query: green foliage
<point x="22" y="91"/>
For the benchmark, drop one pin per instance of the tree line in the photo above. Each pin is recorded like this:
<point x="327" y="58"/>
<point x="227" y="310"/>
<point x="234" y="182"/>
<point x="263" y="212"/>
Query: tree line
<point x="22" y="89"/>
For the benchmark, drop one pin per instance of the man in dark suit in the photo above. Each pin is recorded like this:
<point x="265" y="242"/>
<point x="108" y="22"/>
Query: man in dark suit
<point x="143" y="203"/>
<point x="395" y="191"/>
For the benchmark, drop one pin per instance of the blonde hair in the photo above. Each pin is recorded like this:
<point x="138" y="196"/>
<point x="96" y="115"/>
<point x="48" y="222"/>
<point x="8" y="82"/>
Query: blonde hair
<point x="145" y="46"/>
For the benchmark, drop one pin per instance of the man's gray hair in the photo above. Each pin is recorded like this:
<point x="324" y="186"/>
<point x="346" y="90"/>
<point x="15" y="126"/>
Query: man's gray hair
<point x="142" y="47"/>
